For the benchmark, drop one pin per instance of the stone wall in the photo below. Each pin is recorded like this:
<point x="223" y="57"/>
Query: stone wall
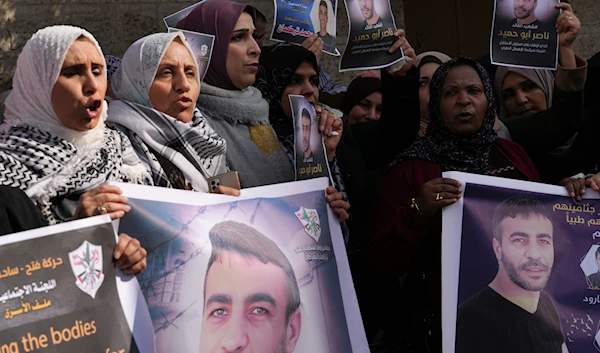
<point x="118" y="23"/>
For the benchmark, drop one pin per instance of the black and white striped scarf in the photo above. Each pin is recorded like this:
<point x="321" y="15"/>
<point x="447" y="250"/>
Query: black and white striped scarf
<point x="47" y="167"/>
<point x="194" y="148"/>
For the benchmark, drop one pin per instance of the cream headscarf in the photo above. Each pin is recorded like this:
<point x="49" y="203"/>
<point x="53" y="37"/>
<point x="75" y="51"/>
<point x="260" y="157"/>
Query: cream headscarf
<point x="139" y="65"/>
<point x="38" y="68"/>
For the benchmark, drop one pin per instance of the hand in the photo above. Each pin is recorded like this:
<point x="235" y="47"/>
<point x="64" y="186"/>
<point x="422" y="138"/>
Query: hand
<point x="594" y="182"/>
<point x="332" y="129"/>
<point x="567" y="26"/>
<point x="314" y="44"/>
<point x="408" y="51"/>
<point x="226" y="190"/>
<point x="370" y="74"/>
<point x="436" y="194"/>
<point x="337" y="203"/>
<point x="130" y="256"/>
<point x="575" y="187"/>
<point x="104" y="199"/>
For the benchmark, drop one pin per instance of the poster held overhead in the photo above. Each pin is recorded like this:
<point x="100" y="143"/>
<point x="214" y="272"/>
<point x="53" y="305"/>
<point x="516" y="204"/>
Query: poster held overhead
<point x="294" y="22"/>
<point x="371" y="35"/>
<point x="524" y="34"/>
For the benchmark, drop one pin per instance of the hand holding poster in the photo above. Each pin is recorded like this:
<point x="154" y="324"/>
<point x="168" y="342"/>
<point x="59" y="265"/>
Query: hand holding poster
<point x="295" y="21"/>
<point x="524" y="34"/>
<point x="371" y="35"/>
<point x="309" y="147"/>
<point x="520" y="263"/>
<point x="202" y="46"/>
<point x="60" y="293"/>
<point x="263" y="272"/>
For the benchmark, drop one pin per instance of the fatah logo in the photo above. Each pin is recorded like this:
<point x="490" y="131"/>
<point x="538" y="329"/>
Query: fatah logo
<point x="310" y="221"/>
<point x="86" y="263"/>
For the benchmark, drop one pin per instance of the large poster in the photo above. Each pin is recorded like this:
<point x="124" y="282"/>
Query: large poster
<point x="60" y="292"/>
<point x="524" y="34"/>
<point x="521" y="264"/>
<point x="371" y="35"/>
<point x="265" y="272"/>
<point x="295" y="21"/>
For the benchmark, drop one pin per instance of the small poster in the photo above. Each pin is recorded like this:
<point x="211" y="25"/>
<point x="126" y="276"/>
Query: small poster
<point x="309" y="147"/>
<point x="520" y="268"/>
<point x="524" y="34"/>
<point x="202" y="46"/>
<point x="263" y="272"/>
<point x="172" y="20"/>
<point x="60" y="292"/>
<point x="371" y="35"/>
<point x="296" y="21"/>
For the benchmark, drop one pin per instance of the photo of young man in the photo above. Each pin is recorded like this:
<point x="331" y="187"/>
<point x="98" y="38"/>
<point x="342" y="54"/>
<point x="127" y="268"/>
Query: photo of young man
<point x="251" y="295"/>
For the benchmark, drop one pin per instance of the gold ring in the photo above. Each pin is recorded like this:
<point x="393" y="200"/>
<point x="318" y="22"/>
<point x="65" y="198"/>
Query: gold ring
<point x="438" y="197"/>
<point x="101" y="209"/>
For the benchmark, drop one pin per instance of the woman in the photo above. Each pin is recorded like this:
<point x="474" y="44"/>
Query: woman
<point x="157" y="86"/>
<point x="405" y="232"/>
<point x="363" y="100"/>
<point x="427" y="63"/>
<point x="543" y="112"/>
<point x="233" y="107"/>
<point x="54" y="144"/>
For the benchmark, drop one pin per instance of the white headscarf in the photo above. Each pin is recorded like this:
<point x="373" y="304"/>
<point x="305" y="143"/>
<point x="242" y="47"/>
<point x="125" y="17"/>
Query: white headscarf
<point x="139" y="65"/>
<point x="194" y="147"/>
<point x="38" y="68"/>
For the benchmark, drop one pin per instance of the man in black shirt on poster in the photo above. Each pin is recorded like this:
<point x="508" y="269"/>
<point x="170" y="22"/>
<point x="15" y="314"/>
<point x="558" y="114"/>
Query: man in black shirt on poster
<point x="525" y="12"/>
<point x="513" y="313"/>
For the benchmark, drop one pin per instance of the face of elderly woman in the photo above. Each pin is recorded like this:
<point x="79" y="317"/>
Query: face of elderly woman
<point x="304" y="82"/>
<point x="522" y="96"/>
<point x="463" y="104"/>
<point x="175" y="88"/>
<point x="79" y="91"/>
<point x="243" y="53"/>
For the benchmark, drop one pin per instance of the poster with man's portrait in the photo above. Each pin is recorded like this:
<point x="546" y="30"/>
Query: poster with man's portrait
<point x="520" y="261"/>
<point x="263" y="272"/>
<point x="371" y="35"/>
<point x="202" y="47"/>
<point x="309" y="148"/>
<point x="524" y="34"/>
<point x="295" y="21"/>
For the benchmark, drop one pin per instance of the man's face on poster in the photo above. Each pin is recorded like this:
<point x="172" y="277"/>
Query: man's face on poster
<point x="527" y="250"/>
<point x="366" y="8"/>
<point x="305" y="134"/>
<point x="323" y="17"/>
<point x="524" y="8"/>
<point x="245" y="307"/>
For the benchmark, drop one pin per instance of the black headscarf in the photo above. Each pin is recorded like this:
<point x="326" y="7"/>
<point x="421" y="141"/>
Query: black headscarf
<point x="276" y="66"/>
<point x="440" y="145"/>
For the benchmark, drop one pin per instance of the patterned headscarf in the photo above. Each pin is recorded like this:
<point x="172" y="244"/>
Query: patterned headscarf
<point x="440" y="145"/>
<point x="38" y="68"/>
<point x="217" y="17"/>
<point x="140" y="63"/>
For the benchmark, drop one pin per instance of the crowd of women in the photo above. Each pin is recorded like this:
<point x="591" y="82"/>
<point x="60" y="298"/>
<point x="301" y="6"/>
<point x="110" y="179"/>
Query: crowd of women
<point x="387" y="143"/>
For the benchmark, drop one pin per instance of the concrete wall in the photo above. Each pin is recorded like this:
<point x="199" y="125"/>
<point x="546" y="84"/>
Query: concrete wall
<point x="116" y="24"/>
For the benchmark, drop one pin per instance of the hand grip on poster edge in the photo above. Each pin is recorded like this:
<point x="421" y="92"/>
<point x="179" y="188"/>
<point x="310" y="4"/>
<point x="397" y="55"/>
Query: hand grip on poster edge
<point x="400" y="64"/>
